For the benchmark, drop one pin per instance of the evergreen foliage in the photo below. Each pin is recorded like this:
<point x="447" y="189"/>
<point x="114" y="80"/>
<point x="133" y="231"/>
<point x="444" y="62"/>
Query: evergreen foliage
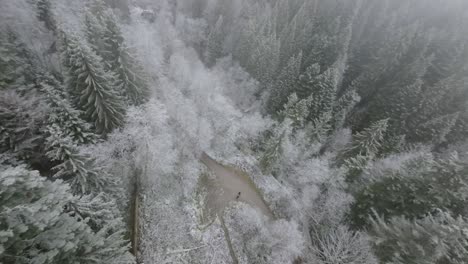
<point x="364" y="147"/>
<point x="368" y="142"/>
<point x="38" y="225"/>
<point x="214" y="43"/>
<point x="23" y="118"/>
<point x="438" y="238"/>
<point x="64" y="115"/>
<point x="354" y="108"/>
<point x="296" y="110"/>
<point x="273" y="146"/>
<point x="285" y="84"/>
<point x="73" y="166"/>
<point x="18" y="64"/>
<point x="45" y="14"/>
<point x="92" y="88"/>
<point x="107" y="40"/>
<point x="421" y="187"/>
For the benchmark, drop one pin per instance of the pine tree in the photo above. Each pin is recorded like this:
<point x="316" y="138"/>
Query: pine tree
<point x="327" y="111"/>
<point x="258" y="48"/>
<point x="401" y="69"/>
<point x="18" y="63"/>
<point x="7" y="64"/>
<point x="324" y="93"/>
<point x="105" y="35"/>
<point x="320" y="128"/>
<point x="92" y="88"/>
<point x="273" y="146"/>
<point x="439" y="111"/>
<point x="94" y="31"/>
<point x="293" y="22"/>
<point x="100" y="209"/>
<point x="367" y="142"/>
<point x="364" y="147"/>
<point x="437" y="129"/>
<point x="39" y="226"/>
<point x="296" y="110"/>
<point x="214" y="43"/>
<point x="284" y="85"/>
<point x="74" y="167"/>
<point x="307" y="81"/>
<point x="45" y="15"/>
<point x="417" y="189"/>
<point x="439" y="238"/>
<point x="64" y="115"/>
<point x="22" y="120"/>
<point x="343" y="107"/>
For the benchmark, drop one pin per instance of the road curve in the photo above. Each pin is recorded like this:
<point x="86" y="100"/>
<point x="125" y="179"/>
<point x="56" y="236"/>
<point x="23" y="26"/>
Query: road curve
<point x="234" y="182"/>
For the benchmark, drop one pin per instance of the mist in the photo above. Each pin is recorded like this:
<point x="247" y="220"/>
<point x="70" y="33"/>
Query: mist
<point x="233" y="131"/>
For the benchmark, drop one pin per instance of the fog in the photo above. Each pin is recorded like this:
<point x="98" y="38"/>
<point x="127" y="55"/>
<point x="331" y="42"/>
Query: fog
<point x="335" y="131"/>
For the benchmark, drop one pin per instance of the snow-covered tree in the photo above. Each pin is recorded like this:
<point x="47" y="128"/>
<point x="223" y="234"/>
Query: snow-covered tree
<point x="100" y="210"/>
<point x="18" y="63"/>
<point x="258" y="240"/>
<point x="364" y="147"/>
<point x="63" y="114"/>
<point x="419" y="188"/>
<point x="22" y="120"/>
<point x="284" y="85"/>
<point x="436" y="238"/>
<point x="341" y="245"/>
<point x="214" y="43"/>
<point x="273" y="146"/>
<point x="93" y="89"/>
<point x="75" y="167"/>
<point x="8" y="63"/>
<point x="368" y="141"/>
<point x="257" y="47"/>
<point x="324" y="93"/>
<point x="104" y="33"/>
<point x="45" y="14"/>
<point x="39" y="226"/>
<point x="399" y="68"/>
<point x="130" y="75"/>
<point x="307" y="81"/>
<point x="296" y="110"/>
<point x="343" y="107"/>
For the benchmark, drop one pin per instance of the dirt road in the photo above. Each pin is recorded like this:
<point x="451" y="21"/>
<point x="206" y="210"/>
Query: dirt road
<point x="236" y="185"/>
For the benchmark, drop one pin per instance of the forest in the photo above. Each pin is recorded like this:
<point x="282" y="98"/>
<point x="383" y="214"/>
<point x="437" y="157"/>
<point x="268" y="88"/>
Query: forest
<point x="234" y="131"/>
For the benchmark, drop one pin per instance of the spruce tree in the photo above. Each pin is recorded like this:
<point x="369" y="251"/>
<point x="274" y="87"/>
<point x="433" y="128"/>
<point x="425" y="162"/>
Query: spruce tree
<point x="21" y="128"/>
<point x="285" y="84"/>
<point x="214" y="43"/>
<point x="92" y="88"/>
<point x="74" y="167"/>
<point x="273" y="146"/>
<point x="39" y="225"/>
<point x="368" y="141"/>
<point x="365" y="146"/>
<point x="7" y="64"/>
<point x="296" y="110"/>
<point x="419" y="188"/>
<point x="307" y="81"/>
<point x="437" y="238"/>
<point x="45" y="14"/>
<point x="104" y="33"/>
<point x="324" y="89"/>
<point x="343" y="107"/>
<point x="18" y="64"/>
<point x="258" y="48"/>
<point x="63" y="114"/>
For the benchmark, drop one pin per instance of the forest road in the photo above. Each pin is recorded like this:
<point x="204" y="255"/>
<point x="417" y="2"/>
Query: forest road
<point x="236" y="185"/>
